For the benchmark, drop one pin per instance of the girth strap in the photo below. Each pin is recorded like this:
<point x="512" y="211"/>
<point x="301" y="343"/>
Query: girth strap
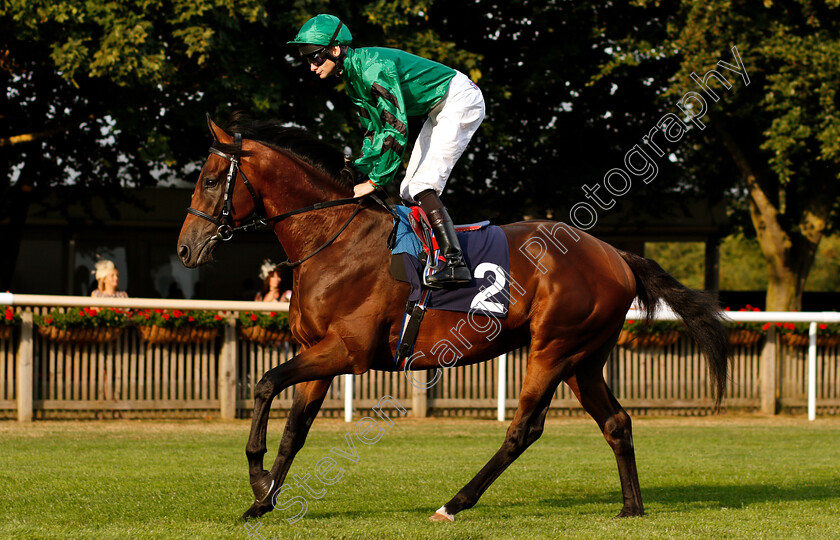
<point x="411" y="328"/>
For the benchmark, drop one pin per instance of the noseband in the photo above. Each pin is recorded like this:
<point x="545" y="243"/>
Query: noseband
<point x="227" y="226"/>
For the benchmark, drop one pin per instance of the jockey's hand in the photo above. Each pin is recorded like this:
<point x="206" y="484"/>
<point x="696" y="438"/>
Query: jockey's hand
<point x="365" y="188"/>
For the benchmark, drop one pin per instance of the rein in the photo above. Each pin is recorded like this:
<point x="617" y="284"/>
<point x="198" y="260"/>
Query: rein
<point x="227" y="226"/>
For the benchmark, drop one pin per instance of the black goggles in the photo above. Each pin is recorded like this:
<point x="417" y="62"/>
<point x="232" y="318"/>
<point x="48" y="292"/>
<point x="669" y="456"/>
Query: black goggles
<point x="318" y="57"/>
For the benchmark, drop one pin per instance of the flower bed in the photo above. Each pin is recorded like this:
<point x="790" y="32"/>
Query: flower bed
<point x="87" y="325"/>
<point x="175" y="326"/>
<point x="796" y="334"/>
<point x="80" y="335"/>
<point x="742" y="337"/>
<point x="745" y="334"/>
<point x="656" y="334"/>
<point x="160" y="334"/>
<point x="265" y="328"/>
<point x="9" y="320"/>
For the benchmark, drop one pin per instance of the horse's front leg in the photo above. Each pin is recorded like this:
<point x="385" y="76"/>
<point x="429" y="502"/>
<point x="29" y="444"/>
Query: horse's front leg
<point x="307" y="402"/>
<point x="324" y="360"/>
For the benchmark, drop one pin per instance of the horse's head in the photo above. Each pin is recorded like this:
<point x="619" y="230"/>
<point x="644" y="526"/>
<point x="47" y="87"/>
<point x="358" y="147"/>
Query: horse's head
<point x="222" y="199"/>
<point x="282" y="171"/>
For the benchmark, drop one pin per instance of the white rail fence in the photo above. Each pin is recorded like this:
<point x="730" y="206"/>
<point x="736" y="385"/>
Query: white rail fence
<point x="811" y="317"/>
<point x="219" y="376"/>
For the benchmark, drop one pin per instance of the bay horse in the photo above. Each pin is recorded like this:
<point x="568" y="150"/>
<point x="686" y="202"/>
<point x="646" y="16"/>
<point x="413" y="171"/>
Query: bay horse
<point x="347" y="310"/>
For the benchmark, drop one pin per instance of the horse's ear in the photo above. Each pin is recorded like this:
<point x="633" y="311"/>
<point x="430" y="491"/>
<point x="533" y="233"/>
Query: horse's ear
<point x="217" y="132"/>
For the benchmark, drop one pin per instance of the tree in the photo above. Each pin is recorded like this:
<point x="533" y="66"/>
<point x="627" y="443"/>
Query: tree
<point x="550" y="127"/>
<point x="100" y="96"/>
<point x="95" y="96"/>
<point x="105" y="95"/>
<point x="778" y="133"/>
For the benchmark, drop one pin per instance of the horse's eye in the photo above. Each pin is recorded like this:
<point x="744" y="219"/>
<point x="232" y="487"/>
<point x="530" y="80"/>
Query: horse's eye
<point x="211" y="182"/>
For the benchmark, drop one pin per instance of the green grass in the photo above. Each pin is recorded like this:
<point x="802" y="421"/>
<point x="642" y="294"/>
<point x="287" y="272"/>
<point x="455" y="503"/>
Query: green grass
<point x="701" y="478"/>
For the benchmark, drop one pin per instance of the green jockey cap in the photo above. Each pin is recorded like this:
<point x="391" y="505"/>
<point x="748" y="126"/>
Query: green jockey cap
<point x="323" y="30"/>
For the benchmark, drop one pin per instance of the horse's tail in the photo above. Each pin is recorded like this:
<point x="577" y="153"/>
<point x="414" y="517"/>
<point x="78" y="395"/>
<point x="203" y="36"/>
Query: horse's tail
<point x="698" y="309"/>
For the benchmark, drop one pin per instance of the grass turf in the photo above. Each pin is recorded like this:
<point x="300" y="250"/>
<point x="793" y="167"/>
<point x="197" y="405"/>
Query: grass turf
<point x="701" y="478"/>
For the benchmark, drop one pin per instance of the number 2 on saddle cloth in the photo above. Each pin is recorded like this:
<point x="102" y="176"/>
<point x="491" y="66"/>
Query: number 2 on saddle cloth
<point x="486" y="253"/>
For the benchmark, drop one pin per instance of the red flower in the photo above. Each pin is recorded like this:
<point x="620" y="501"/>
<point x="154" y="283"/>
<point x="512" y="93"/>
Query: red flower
<point x="191" y="318"/>
<point x="790" y="326"/>
<point x="81" y="313"/>
<point x="217" y="317"/>
<point x="177" y="313"/>
<point x="253" y="317"/>
<point x="165" y="316"/>
<point x="273" y="314"/>
<point x="766" y="326"/>
<point x="630" y="322"/>
<point x="9" y="315"/>
<point x="823" y="326"/>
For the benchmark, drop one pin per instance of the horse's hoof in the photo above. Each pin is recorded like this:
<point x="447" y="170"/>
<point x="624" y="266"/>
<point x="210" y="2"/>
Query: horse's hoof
<point x="255" y="511"/>
<point x="262" y="487"/>
<point x="442" y="515"/>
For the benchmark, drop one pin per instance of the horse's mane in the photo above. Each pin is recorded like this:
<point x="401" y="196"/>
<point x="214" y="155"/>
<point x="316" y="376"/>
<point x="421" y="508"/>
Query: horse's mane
<point x="298" y="141"/>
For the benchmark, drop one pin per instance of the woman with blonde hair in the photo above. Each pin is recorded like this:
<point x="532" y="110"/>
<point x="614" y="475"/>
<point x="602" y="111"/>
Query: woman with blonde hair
<point x="107" y="280"/>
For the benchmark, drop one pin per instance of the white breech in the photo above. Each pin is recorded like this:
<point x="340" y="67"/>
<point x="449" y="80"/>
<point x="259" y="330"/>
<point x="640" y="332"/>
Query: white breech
<point x="443" y="138"/>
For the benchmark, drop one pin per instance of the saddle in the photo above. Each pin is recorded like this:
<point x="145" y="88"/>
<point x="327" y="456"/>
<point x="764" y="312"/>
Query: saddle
<point x="416" y="255"/>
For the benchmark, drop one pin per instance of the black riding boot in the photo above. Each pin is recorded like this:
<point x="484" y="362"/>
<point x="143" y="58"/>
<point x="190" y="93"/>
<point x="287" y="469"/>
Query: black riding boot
<point x="456" y="272"/>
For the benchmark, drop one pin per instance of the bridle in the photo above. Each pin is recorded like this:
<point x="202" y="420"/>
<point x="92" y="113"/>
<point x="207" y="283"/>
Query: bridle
<point x="226" y="225"/>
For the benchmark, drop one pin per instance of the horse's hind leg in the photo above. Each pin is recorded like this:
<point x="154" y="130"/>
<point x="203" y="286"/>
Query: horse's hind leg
<point x="527" y="426"/>
<point x="591" y="389"/>
<point x="309" y="397"/>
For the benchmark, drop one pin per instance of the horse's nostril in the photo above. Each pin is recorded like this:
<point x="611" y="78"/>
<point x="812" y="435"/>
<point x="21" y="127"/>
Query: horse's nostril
<point x="184" y="252"/>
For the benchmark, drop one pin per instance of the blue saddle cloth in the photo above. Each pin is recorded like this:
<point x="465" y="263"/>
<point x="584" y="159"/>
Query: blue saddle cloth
<point x="407" y="241"/>
<point x="487" y="255"/>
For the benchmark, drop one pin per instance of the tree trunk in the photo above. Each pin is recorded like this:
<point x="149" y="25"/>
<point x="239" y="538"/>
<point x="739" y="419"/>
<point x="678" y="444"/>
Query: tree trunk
<point x="785" y="286"/>
<point x="789" y="256"/>
<point x="789" y="250"/>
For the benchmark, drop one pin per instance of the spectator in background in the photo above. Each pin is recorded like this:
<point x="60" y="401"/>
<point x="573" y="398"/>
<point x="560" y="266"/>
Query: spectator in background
<point x="274" y="289"/>
<point x="107" y="280"/>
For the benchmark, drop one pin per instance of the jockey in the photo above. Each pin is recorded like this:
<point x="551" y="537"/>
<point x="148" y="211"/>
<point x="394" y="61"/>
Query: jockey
<point x="388" y="86"/>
